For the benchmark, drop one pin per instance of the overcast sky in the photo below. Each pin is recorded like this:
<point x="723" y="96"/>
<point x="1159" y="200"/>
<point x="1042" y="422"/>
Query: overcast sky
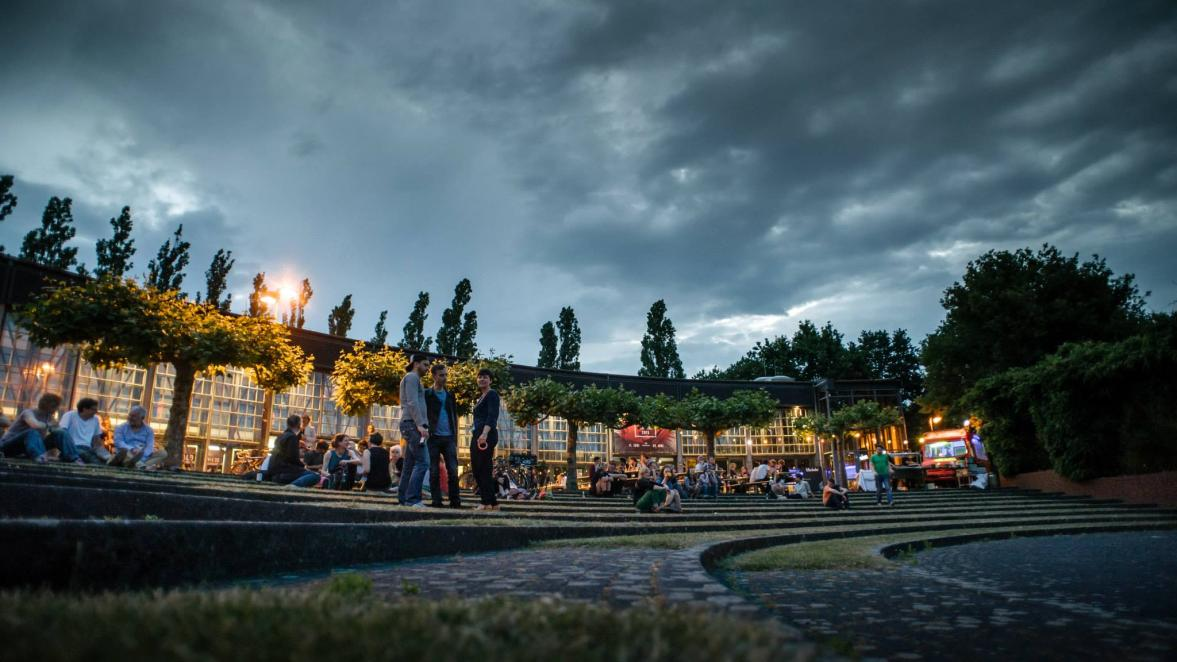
<point x="753" y="163"/>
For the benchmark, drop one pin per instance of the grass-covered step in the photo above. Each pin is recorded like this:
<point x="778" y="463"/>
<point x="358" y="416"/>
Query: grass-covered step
<point x="350" y="623"/>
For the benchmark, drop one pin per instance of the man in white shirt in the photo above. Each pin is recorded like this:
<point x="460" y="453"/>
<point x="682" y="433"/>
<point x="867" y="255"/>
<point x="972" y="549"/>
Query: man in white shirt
<point x="760" y="473"/>
<point x="84" y="429"/>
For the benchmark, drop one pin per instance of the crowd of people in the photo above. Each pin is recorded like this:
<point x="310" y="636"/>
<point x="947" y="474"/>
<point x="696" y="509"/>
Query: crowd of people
<point x="80" y="436"/>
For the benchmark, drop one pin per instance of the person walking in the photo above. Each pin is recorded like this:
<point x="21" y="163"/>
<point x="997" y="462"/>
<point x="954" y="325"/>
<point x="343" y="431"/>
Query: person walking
<point x="443" y="421"/>
<point x="484" y="438"/>
<point x="414" y="427"/>
<point x="882" y="464"/>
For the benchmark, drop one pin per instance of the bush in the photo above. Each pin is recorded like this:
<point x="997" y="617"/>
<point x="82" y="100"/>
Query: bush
<point x="275" y="625"/>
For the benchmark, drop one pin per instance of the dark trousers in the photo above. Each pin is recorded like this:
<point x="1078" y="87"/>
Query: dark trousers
<point x="447" y="446"/>
<point x="482" y="463"/>
<point x="838" y="502"/>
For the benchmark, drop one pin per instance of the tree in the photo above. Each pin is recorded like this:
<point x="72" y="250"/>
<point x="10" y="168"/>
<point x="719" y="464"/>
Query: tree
<point x="257" y="297"/>
<point x="414" y="330"/>
<point x="166" y="272"/>
<point x="818" y="353"/>
<point x="569" y="355"/>
<point x="451" y="320"/>
<point x="766" y="358"/>
<point x="367" y="376"/>
<point x="613" y="407"/>
<point x="339" y="321"/>
<point x="466" y="347"/>
<point x="1012" y="309"/>
<point x="380" y="336"/>
<point x="216" y="282"/>
<point x="7" y="199"/>
<point x="547" y="346"/>
<point x="297" y="318"/>
<point x="659" y="348"/>
<point x="114" y="254"/>
<point x="116" y="322"/>
<point x="46" y="244"/>
<point x="710" y="416"/>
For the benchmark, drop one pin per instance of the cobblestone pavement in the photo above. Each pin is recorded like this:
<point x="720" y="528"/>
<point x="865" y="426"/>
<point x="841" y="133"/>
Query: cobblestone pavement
<point x="1058" y="598"/>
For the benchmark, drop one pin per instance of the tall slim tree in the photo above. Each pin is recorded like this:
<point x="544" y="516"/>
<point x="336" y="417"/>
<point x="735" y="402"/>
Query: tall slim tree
<point x="380" y="337"/>
<point x="659" y="347"/>
<point x="467" y="347"/>
<point x="216" y="281"/>
<point x="297" y="318"/>
<point x="414" y="330"/>
<point x="166" y="271"/>
<point x="547" y="346"/>
<point x="339" y="321"/>
<point x="569" y="354"/>
<point x="257" y="303"/>
<point x="46" y="244"/>
<point x="114" y="254"/>
<point x="7" y="199"/>
<point x="449" y="336"/>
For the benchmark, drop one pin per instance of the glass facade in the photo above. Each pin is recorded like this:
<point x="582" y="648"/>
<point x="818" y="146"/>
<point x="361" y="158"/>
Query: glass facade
<point x="115" y="390"/>
<point x="27" y="371"/>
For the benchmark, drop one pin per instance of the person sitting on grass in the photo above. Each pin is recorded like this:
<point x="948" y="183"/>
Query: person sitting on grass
<point x="84" y="430"/>
<point x="33" y="434"/>
<point x="650" y="497"/>
<point x="134" y="442"/>
<point x="835" y="497"/>
<point x="286" y="467"/>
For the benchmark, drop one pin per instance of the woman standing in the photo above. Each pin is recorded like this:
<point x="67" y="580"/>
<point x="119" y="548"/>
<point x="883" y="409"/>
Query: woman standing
<point x="483" y="441"/>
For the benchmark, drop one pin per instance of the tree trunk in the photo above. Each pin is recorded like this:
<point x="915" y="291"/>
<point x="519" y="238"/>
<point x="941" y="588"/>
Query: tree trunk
<point x="570" y="476"/>
<point x="840" y="461"/>
<point x="178" y="414"/>
<point x="709" y="436"/>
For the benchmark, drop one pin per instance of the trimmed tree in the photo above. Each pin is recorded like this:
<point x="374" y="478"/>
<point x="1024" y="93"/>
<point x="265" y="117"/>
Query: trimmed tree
<point x="115" y="322"/>
<point x="114" y="254"/>
<point x="711" y="416"/>
<point x="533" y="402"/>
<point x="367" y="376"/>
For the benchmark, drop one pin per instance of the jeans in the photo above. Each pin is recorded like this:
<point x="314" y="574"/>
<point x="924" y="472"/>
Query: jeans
<point x="883" y="483"/>
<point x="416" y="465"/>
<point x="32" y="444"/>
<point x="447" y="446"/>
<point x="306" y="480"/>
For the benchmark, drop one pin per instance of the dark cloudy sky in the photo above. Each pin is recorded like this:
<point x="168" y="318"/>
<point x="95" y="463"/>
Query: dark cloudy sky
<point x="753" y="163"/>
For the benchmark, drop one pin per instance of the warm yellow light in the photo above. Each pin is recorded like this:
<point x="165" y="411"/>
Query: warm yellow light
<point x="936" y="419"/>
<point x="287" y="293"/>
<point x="46" y="367"/>
<point x="269" y="301"/>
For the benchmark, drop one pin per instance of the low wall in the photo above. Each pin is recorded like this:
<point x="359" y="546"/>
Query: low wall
<point x="1159" y="488"/>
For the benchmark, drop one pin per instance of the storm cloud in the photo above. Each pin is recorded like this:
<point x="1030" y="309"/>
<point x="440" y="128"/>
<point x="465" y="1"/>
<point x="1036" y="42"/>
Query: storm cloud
<point x="753" y="163"/>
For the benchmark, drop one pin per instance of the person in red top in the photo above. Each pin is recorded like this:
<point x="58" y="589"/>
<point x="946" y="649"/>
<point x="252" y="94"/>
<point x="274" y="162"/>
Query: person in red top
<point x="835" y="497"/>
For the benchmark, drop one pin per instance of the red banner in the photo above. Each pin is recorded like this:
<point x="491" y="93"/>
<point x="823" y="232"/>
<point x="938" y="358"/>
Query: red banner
<point x="636" y="440"/>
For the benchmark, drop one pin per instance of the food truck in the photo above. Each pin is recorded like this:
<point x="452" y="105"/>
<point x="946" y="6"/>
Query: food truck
<point x="954" y="457"/>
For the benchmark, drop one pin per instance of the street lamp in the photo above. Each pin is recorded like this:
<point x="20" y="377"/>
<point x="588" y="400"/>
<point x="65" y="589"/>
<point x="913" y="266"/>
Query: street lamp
<point x="935" y="420"/>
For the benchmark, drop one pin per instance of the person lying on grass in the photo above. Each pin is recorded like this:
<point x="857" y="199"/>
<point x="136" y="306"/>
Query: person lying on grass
<point x="650" y="497"/>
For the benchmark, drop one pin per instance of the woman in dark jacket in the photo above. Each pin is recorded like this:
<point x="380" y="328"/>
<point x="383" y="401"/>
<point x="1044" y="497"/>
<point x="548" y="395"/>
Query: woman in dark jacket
<point x="376" y="465"/>
<point x="483" y="441"/>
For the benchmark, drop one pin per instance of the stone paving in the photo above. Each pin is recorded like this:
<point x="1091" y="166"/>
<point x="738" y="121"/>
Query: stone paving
<point x="1062" y="597"/>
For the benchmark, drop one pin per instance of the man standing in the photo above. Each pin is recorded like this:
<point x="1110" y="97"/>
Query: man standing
<point x="414" y="427"/>
<point x="443" y="421"/>
<point x="84" y="430"/>
<point x="882" y="464"/>
<point x="134" y="442"/>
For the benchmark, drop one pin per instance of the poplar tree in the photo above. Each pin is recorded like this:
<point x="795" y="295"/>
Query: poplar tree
<point x="568" y="357"/>
<point x="46" y="244"/>
<point x="380" y="338"/>
<point x="257" y="306"/>
<point x="339" y="321"/>
<point x="114" y="254"/>
<point x="547" y="346"/>
<point x="166" y="271"/>
<point x="456" y="335"/>
<point x="216" y="281"/>
<point x="414" y="337"/>
<point x="659" y="348"/>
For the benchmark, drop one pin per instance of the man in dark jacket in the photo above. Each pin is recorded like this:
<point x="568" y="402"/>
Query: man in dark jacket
<point x="443" y="439"/>
<point x="286" y="467"/>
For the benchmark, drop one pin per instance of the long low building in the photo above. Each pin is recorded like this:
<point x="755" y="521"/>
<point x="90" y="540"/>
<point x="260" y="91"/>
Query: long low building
<point x="233" y="418"/>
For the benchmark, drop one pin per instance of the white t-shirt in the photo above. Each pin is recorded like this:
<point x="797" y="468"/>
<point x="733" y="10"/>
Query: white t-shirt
<point x="760" y="473"/>
<point x="80" y="431"/>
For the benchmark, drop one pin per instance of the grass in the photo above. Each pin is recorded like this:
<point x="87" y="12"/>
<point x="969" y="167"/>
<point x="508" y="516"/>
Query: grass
<point x="297" y="626"/>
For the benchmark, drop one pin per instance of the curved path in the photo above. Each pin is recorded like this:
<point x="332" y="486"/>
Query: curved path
<point x="1062" y="597"/>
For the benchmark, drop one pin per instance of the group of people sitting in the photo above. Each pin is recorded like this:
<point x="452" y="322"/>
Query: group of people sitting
<point x="80" y="436"/>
